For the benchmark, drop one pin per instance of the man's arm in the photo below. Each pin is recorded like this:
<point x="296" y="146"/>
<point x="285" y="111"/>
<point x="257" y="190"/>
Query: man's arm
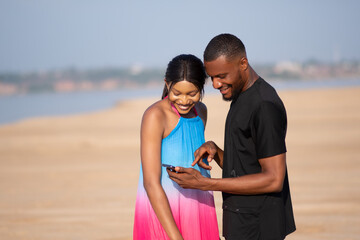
<point x="270" y="179"/>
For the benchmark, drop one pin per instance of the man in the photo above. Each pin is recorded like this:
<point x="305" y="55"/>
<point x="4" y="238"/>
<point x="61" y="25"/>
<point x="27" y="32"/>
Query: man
<point x="256" y="196"/>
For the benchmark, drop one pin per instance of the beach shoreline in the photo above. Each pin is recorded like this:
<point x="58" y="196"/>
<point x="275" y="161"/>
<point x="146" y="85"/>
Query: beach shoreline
<point x="75" y="177"/>
<point x="52" y="104"/>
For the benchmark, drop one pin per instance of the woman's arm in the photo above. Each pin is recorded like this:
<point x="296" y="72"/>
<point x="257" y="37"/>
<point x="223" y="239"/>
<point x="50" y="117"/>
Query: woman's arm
<point x="152" y="128"/>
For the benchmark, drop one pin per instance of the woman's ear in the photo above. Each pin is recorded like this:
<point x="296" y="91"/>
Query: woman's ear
<point x="167" y="85"/>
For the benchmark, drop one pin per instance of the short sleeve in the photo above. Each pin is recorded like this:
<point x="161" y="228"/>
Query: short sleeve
<point x="269" y="130"/>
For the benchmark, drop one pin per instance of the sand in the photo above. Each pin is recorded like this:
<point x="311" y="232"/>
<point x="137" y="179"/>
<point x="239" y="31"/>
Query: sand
<point x="75" y="177"/>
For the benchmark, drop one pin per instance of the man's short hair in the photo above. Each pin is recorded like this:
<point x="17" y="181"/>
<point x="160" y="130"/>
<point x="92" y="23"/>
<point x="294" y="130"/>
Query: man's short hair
<point x="226" y="45"/>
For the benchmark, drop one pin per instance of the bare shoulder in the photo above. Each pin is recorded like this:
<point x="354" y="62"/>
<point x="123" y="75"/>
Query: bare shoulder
<point x="154" y="113"/>
<point x="201" y="107"/>
<point x="202" y="111"/>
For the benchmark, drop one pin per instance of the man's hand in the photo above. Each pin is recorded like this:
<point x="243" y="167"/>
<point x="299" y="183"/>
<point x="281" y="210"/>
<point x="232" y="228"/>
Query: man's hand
<point x="188" y="178"/>
<point x="209" y="150"/>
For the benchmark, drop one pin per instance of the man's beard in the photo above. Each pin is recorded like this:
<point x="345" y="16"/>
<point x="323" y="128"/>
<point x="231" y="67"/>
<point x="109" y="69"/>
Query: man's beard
<point x="234" y="94"/>
<point x="227" y="99"/>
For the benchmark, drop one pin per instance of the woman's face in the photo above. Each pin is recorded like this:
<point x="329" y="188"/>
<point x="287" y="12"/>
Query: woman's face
<point x="184" y="95"/>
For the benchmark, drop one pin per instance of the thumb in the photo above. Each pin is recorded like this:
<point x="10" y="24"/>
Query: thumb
<point x="183" y="170"/>
<point x="211" y="156"/>
<point x="179" y="169"/>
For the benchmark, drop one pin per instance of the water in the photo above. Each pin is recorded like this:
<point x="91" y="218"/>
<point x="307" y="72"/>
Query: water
<point x="19" y="107"/>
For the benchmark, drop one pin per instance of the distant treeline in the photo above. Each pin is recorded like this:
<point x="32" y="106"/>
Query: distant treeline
<point x="73" y="79"/>
<point x="47" y="81"/>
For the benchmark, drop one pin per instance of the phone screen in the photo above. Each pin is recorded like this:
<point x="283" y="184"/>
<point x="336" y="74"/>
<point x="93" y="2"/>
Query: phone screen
<point x="170" y="167"/>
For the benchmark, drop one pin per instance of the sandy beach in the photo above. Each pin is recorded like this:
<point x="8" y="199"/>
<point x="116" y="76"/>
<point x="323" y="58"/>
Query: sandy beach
<point x="75" y="177"/>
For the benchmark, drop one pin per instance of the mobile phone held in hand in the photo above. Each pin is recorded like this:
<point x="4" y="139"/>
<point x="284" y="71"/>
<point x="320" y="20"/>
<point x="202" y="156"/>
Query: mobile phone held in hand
<point x="170" y="167"/>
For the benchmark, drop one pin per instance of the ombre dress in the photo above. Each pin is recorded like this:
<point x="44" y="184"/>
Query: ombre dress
<point x="193" y="210"/>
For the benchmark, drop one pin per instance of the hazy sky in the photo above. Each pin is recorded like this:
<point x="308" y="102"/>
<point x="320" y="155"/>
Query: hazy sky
<point x="57" y="34"/>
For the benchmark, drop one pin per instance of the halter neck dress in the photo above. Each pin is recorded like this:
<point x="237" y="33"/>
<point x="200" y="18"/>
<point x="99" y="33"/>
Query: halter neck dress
<point x="192" y="209"/>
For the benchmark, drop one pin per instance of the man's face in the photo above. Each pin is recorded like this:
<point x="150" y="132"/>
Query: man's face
<point x="226" y="76"/>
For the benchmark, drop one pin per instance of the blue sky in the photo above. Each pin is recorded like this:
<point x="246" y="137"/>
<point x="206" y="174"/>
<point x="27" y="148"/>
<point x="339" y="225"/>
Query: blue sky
<point x="57" y="34"/>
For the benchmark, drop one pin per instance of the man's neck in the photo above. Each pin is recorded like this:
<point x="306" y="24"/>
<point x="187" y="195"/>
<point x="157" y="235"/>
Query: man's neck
<point x="252" y="76"/>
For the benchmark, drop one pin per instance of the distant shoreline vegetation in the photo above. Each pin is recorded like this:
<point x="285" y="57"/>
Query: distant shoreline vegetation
<point x="73" y="79"/>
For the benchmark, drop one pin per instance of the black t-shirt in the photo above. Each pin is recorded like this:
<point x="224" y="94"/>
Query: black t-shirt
<point x="255" y="128"/>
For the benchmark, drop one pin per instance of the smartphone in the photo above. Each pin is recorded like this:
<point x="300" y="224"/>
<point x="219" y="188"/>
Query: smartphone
<point x="170" y="167"/>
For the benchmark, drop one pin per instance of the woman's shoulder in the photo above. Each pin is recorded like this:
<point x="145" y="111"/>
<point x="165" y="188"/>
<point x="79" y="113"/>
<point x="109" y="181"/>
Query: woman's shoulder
<point x="153" y="120"/>
<point x="202" y="111"/>
<point x="155" y="111"/>
<point x="201" y="108"/>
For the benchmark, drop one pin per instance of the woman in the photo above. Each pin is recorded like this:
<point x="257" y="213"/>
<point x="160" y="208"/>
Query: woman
<point x="171" y="130"/>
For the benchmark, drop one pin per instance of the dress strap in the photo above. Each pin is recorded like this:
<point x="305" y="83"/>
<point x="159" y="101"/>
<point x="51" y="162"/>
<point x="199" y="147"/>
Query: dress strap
<point x="195" y="111"/>
<point x="175" y="110"/>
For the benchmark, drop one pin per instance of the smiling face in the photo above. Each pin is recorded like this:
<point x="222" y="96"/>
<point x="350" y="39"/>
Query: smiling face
<point x="184" y="95"/>
<point x="228" y="76"/>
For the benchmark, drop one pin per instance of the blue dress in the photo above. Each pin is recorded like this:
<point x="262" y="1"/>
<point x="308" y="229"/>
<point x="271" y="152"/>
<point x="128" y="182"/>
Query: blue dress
<point x="193" y="210"/>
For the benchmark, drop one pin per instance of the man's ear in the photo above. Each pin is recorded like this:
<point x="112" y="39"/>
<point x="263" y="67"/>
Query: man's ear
<point x="243" y="64"/>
